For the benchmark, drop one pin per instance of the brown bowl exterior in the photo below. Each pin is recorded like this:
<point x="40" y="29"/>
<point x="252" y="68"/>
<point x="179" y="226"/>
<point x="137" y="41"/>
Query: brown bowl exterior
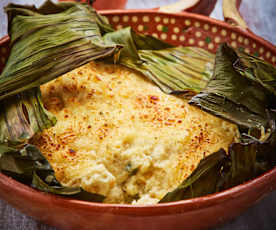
<point x="198" y="213"/>
<point x="193" y="214"/>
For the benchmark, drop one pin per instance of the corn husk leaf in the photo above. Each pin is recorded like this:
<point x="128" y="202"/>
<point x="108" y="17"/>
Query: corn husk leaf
<point x="22" y="116"/>
<point x="233" y="96"/>
<point x="173" y="69"/>
<point x="220" y="171"/>
<point x="37" y="58"/>
<point x="30" y="167"/>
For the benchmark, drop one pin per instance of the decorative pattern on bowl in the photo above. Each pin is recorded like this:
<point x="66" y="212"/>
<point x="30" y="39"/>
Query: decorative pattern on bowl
<point x="191" y="31"/>
<point x="184" y="29"/>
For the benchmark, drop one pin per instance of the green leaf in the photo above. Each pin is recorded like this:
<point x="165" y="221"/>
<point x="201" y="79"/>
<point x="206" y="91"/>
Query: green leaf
<point x="133" y="42"/>
<point x="226" y="109"/>
<point x="228" y="83"/>
<point x="258" y="70"/>
<point x="177" y="70"/>
<point x="37" y="58"/>
<point x="22" y="116"/>
<point x="233" y="96"/>
<point x="243" y="164"/>
<point x="125" y="38"/>
<point x="147" y="42"/>
<point x="249" y="160"/>
<point x="51" y="8"/>
<point x="30" y="167"/>
<point x="4" y="149"/>
<point x="202" y="181"/>
<point x="173" y="69"/>
<point x="220" y="171"/>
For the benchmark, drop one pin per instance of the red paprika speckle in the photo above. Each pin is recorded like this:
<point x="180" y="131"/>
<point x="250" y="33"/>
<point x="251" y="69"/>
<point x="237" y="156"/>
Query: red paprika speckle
<point x="72" y="151"/>
<point x="155" y="98"/>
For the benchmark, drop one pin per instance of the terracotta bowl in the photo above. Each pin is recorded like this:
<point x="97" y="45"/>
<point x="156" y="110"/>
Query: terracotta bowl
<point x="199" y="213"/>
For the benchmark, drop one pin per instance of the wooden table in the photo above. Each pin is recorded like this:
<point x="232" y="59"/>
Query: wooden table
<point x="261" y="19"/>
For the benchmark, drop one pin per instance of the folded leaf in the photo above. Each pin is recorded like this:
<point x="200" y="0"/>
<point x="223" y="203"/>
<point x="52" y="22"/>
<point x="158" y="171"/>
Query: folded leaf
<point x="202" y="181"/>
<point x="51" y="8"/>
<point x="244" y="164"/>
<point x="37" y="58"/>
<point x="30" y="167"/>
<point x="226" y="109"/>
<point x="228" y="83"/>
<point x="177" y="70"/>
<point x="220" y="171"/>
<point x="258" y="70"/>
<point x="233" y="96"/>
<point x="22" y="116"/>
<point x="173" y="69"/>
<point x="125" y="38"/>
<point x="132" y="42"/>
<point x="147" y="42"/>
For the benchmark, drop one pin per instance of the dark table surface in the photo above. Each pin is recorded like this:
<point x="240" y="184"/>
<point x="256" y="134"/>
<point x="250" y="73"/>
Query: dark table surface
<point x="260" y="16"/>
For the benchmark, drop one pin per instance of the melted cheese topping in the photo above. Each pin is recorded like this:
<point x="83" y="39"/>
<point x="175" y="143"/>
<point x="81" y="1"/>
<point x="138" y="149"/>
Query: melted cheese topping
<point x="118" y="135"/>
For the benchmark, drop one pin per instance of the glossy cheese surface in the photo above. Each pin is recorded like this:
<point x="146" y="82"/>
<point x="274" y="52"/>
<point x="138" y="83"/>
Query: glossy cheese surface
<point x="118" y="135"/>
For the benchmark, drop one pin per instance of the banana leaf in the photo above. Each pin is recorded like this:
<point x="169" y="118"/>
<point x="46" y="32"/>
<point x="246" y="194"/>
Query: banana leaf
<point x="233" y="96"/>
<point x="179" y="70"/>
<point x="147" y="42"/>
<point x="247" y="102"/>
<point x="202" y="181"/>
<point x="51" y="8"/>
<point x="248" y="160"/>
<point x="30" y="167"/>
<point x="125" y="38"/>
<point x="22" y="116"/>
<point x="257" y="70"/>
<point x="45" y="46"/>
<point x="220" y="171"/>
<point x="225" y="108"/>
<point x="173" y="69"/>
<point x="133" y="41"/>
